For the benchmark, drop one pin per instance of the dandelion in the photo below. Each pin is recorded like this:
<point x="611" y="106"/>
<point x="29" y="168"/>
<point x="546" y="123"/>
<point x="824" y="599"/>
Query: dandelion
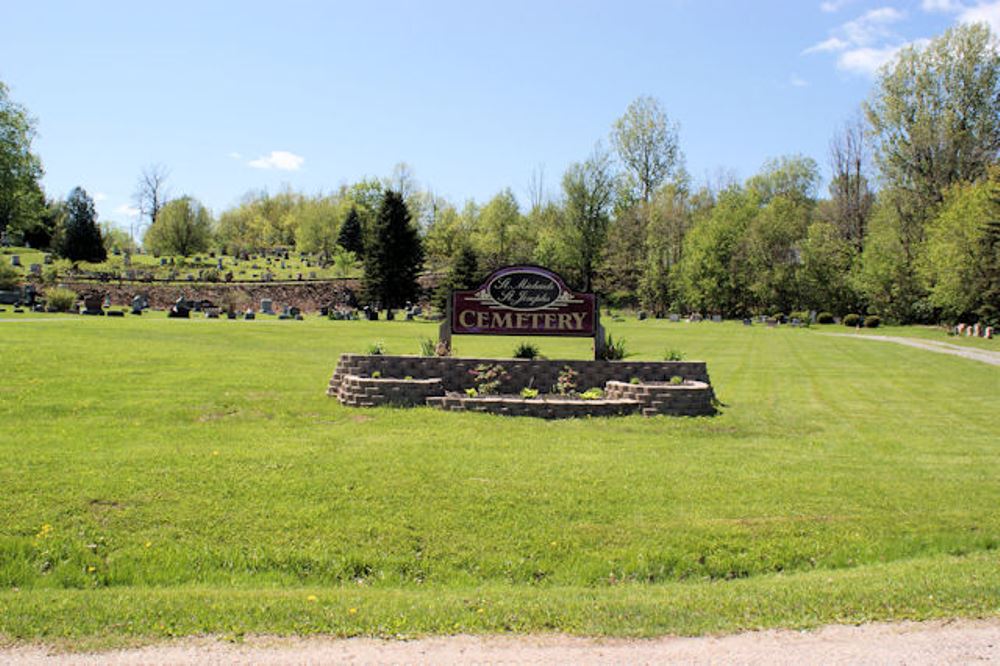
<point x="480" y="610"/>
<point x="352" y="611"/>
<point x="215" y="453"/>
<point x="91" y="569"/>
<point x="43" y="531"/>
<point x="312" y="598"/>
<point x="148" y="544"/>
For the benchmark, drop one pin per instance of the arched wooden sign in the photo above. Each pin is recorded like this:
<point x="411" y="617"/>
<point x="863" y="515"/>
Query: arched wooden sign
<point x="523" y="300"/>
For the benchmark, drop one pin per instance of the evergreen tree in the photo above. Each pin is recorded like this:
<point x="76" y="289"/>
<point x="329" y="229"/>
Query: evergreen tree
<point x="463" y="274"/>
<point x="351" y="237"/>
<point x="394" y="255"/>
<point x="81" y="237"/>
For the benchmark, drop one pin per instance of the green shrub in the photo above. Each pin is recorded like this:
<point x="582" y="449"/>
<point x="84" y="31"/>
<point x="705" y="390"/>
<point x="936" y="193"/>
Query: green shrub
<point x="526" y="350"/>
<point x="376" y="349"/>
<point x="529" y="393"/>
<point x="801" y="315"/>
<point x="824" y="318"/>
<point x="673" y="355"/>
<point x="377" y="375"/>
<point x="59" y="299"/>
<point x="676" y="380"/>
<point x="872" y="321"/>
<point x="10" y="278"/>
<point x="592" y="394"/>
<point x="852" y="320"/>
<point x="634" y="380"/>
<point x="427" y="347"/>
<point x="614" y="350"/>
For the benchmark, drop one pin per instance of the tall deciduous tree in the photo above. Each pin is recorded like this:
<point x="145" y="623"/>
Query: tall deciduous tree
<point x="393" y="255"/>
<point x="589" y="189"/>
<point x="22" y="203"/>
<point x="850" y="194"/>
<point x="498" y="226"/>
<point x="646" y="142"/>
<point x="182" y="227"/>
<point x="151" y="193"/>
<point x="935" y="116"/>
<point x="81" y="235"/>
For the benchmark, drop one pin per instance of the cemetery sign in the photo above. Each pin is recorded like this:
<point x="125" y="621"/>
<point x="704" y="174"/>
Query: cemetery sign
<point x="524" y="300"/>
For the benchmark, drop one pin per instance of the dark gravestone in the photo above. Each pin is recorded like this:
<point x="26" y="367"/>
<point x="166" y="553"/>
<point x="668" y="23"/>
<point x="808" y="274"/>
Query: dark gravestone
<point x="92" y="305"/>
<point x="115" y="313"/>
<point x="180" y="309"/>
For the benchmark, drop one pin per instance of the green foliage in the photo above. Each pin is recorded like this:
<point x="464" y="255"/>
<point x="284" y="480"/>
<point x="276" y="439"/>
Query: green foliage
<point x="497" y="230"/>
<point x="824" y="318"/>
<point x="589" y="189"/>
<point x="488" y="378"/>
<point x="872" y="321"/>
<point x="528" y="393"/>
<point x="647" y="144"/>
<point x="376" y="348"/>
<point x="852" y="320"/>
<point x="183" y="227"/>
<point x="613" y="350"/>
<point x="317" y="224"/>
<point x="592" y="394"/>
<point x="676" y="380"/>
<point x="526" y="350"/>
<point x="393" y="255"/>
<point x="635" y="381"/>
<point x="960" y="263"/>
<point x="351" y="237"/>
<point x="10" y="277"/>
<point x="427" y="347"/>
<point x="377" y="374"/>
<point x="463" y="273"/>
<point x="673" y="355"/>
<point x="81" y="240"/>
<point x="22" y="204"/>
<point x="60" y="299"/>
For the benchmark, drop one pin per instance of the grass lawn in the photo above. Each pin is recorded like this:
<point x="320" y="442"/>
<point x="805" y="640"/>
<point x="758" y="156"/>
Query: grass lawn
<point x="169" y="477"/>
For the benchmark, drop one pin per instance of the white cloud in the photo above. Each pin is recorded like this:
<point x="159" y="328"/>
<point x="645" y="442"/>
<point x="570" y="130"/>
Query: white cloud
<point x="100" y="196"/>
<point x="866" y="60"/>
<point x="872" y="26"/>
<point x="832" y="44"/>
<point x="278" y="159"/>
<point x="831" y="6"/>
<point x="126" y="209"/>
<point x="946" y="6"/>
<point x="985" y="12"/>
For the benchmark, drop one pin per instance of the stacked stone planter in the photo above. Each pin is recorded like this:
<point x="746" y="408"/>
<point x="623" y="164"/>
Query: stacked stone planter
<point x="692" y="398"/>
<point x="358" y="391"/>
<point x="442" y="381"/>
<point x="540" y="407"/>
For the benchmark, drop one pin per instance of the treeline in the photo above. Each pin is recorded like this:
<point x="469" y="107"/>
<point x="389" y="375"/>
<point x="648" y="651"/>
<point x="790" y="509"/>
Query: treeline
<point x="908" y="229"/>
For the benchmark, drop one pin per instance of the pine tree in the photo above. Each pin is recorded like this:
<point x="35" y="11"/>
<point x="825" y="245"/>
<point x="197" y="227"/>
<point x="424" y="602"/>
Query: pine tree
<point x="394" y="255"/>
<point x="351" y="238"/>
<point x="82" y="237"/>
<point x="463" y="274"/>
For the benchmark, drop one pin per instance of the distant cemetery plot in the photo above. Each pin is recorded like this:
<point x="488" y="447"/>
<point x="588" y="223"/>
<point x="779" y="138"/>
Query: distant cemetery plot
<point x="524" y="300"/>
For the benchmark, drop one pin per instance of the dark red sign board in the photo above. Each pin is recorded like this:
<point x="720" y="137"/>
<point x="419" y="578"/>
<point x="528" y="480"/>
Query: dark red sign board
<point x="524" y="300"/>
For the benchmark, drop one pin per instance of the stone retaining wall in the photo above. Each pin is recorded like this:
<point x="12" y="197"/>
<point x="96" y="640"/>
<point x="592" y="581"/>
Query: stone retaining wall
<point x="541" y="374"/>
<point x="540" y="407"/>
<point x="692" y="398"/>
<point x="357" y="391"/>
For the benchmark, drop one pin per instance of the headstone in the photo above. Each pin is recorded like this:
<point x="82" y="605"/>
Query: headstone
<point x="218" y="263"/>
<point x="36" y="269"/>
<point x="92" y="304"/>
<point x="696" y="317"/>
<point x="130" y="273"/>
<point x="138" y="304"/>
<point x="674" y="318"/>
<point x="283" y="264"/>
<point x="977" y="330"/>
<point x="115" y="313"/>
<point x="772" y="323"/>
<point x="266" y="306"/>
<point x="717" y="319"/>
<point x="211" y="313"/>
<point x="47" y="259"/>
<point x="294" y="311"/>
<point x="15" y="260"/>
<point x="231" y="315"/>
<point x="747" y="321"/>
<point x="312" y="275"/>
<point x="116" y="251"/>
<point x="249" y="314"/>
<point x="642" y="315"/>
<point x="180" y="309"/>
<point x="988" y="333"/>
<point x="127" y="259"/>
<point x="163" y="261"/>
<point x="299" y="278"/>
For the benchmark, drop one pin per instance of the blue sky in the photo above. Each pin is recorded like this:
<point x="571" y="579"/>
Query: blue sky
<point x="474" y="96"/>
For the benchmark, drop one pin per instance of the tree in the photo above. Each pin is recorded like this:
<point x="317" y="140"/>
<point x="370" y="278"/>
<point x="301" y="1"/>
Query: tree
<point x="462" y="274"/>
<point x="316" y="222"/>
<point x="589" y="190"/>
<point x="183" y="227"/>
<point x="935" y="118"/>
<point x="670" y="220"/>
<point x="849" y="192"/>
<point x="81" y="236"/>
<point x="393" y="255"/>
<point x="497" y="228"/>
<point x="151" y="193"/>
<point x="351" y="236"/>
<point x="961" y="259"/>
<point x="790" y="176"/>
<point x="646" y="142"/>
<point x="22" y="203"/>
